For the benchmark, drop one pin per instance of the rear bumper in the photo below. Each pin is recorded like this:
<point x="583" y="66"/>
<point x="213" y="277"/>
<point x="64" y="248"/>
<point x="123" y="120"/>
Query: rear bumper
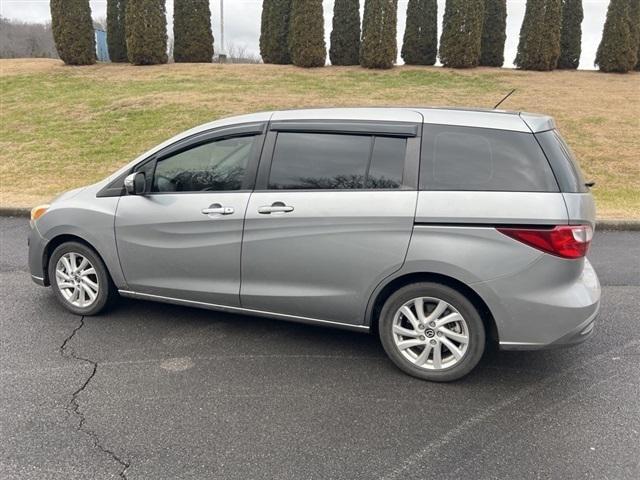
<point x="548" y="305"/>
<point x="578" y="335"/>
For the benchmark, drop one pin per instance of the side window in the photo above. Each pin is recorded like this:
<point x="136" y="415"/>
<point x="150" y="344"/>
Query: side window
<point x="216" y="166"/>
<point x="482" y="159"/>
<point x="563" y="162"/>
<point x="322" y="161"/>
<point x="387" y="163"/>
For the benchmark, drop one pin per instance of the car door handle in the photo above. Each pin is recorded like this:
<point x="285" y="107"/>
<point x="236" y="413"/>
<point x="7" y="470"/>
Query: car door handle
<point x="217" y="209"/>
<point x="275" y="207"/>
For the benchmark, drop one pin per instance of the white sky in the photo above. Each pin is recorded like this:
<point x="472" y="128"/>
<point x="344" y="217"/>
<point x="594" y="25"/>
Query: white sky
<point x="242" y="21"/>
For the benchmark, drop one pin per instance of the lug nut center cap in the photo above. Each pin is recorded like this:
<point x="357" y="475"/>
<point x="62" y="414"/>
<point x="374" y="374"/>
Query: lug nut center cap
<point x="429" y="333"/>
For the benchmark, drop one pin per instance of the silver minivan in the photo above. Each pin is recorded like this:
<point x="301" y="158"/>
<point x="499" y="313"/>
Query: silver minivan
<point x="443" y="230"/>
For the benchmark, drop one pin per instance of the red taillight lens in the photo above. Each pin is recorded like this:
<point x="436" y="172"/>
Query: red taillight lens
<point x="566" y="241"/>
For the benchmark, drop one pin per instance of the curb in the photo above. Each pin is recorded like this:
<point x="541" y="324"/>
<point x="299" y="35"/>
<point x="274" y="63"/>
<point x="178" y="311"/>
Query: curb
<point x="15" y="212"/>
<point x="609" y="225"/>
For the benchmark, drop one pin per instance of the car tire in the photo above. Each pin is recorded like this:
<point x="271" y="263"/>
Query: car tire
<point x="80" y="280"/>
<point x="442" y="344"/>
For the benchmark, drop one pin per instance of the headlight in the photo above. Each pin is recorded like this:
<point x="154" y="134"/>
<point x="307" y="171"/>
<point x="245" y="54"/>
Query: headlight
<point x="37" y="212"/>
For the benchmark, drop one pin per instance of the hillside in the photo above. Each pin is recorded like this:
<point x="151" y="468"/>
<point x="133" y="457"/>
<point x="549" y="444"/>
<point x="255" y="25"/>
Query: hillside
<point x="62" y="127"/>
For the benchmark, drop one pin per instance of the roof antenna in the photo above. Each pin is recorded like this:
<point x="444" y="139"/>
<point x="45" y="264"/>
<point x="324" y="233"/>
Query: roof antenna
<point x="507" y="96"/>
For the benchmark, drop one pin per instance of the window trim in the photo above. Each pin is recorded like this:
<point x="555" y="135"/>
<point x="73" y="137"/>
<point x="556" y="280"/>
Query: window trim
<point x="256" y="129"/>
<point x="373" y="130"/>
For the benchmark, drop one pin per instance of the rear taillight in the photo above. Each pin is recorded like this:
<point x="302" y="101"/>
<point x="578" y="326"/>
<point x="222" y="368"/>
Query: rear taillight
<point x="566" y="241"/>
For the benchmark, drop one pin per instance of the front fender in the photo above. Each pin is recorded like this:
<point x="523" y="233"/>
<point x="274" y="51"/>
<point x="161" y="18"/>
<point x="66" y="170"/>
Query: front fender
<point x="90" y="219"/>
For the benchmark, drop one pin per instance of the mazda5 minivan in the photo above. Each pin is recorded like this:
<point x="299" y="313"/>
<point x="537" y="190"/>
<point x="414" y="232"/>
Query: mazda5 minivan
<point x="443" y="230"/>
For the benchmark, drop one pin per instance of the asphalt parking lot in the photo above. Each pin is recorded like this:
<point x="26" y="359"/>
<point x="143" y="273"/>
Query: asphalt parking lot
<point x="150" y="391"/>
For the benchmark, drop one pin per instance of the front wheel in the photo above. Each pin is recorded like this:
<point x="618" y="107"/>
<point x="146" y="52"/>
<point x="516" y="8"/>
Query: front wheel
<point x="80" y="279"/>
<point x="432" y="332"/>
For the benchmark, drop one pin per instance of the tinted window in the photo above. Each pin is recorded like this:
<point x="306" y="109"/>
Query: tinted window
<point x="463" y="158"/>
<point x="319" y="161"/>
<point x="387" y="163"/>
<point x="334" y="161"/>
<point x="215" y="166"/>
<point x="563" y="162"/>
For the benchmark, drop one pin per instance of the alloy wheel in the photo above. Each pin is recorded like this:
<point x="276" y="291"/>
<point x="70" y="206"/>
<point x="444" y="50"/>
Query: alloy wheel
<point x="430" y="333"/>
<point x="77" y="280"/>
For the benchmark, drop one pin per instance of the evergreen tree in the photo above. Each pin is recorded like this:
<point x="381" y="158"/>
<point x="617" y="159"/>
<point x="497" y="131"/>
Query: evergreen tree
<point x="116" y="40"/>
<point x="306" y="34"/>
<point x="146" y="30"/>
<point x="539" y="47"/>
<point x="345" y="35"/>
<point x="571" y="34"/>
<point x="494" y="33"/>
<point x="617" y="51"/>
<point x="73" y="31"/>
<point x="193" y="39"/>
<point x="274" y="31"/>
<point x="634" y="13"/>
<point x="379" y="47"/>
<point x="420" y="44"/>
<point x="461" y="38"/>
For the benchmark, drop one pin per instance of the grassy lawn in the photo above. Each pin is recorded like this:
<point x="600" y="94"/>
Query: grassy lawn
<point x="62" y="127"/>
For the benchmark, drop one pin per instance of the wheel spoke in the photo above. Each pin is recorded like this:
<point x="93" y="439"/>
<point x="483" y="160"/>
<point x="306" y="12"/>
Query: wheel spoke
<point x="74" y="296"/>
<point x="423" y="357"/>
<point x="405" y="332"/>
<point x="440" y="308"/>
<point x="90" y="283"/>
<point x="92" y="295"/>
<point x="66" y="264"/>
<point x="452" y="348"/>
<point x="66" y="285"/>
<point x="437" y="355"/>
<point x="418" y="303"/>
<point x="452" y="317"/>
<point x="406" y="311"/>
<point x="458" y="337"/>
<point x="83" y="263"/>
<point x="88" y="271"/>
<point x="409" y="343"/>
<point x="62" y="274"/>
<point x="73" y="261"/>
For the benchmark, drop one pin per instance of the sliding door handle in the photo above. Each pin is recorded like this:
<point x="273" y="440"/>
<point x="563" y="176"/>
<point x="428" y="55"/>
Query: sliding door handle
<point x="275" y="207"/>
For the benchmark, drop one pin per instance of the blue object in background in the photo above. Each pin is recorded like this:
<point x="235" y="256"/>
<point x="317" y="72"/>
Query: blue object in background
<point x="102" y="51"/>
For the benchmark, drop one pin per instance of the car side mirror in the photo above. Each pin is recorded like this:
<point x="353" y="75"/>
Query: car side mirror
<point x="136" y="183"/>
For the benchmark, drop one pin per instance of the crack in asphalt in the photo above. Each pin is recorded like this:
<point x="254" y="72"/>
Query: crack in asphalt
<point x="74" y="407"/>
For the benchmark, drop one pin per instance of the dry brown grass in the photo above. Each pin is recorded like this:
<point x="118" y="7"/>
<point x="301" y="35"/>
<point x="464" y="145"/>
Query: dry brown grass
<point x="67" y="126"/>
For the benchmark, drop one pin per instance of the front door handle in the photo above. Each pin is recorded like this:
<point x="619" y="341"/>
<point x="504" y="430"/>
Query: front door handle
<point x="217" y="209"/>
<point x="275" y="207"/>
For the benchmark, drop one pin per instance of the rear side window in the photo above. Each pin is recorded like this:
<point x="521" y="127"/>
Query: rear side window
<point x="563" y="162"/>
<point x="483" y="159"/>
<point x="319" y="161"/>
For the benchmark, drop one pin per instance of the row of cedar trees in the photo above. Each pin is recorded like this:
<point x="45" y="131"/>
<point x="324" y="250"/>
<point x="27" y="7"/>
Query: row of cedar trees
<point x="136" y="31"/>
<point x="293" y="32"/>
<point x="473" y="33"/>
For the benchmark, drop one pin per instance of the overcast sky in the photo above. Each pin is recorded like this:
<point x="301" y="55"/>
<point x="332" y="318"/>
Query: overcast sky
<point x="242" y="21"/>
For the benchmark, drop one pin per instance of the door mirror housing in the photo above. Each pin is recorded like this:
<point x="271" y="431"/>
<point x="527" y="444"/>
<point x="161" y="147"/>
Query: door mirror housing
<point x="135" y="184"/>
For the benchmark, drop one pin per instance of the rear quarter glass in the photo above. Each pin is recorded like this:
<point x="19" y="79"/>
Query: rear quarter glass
<point x="483" y="159"/>
<point x="562" y="161"/>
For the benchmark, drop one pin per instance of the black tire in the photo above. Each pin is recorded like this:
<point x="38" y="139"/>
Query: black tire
<point x="475" y="326"/>
<point x="106" y="291"/>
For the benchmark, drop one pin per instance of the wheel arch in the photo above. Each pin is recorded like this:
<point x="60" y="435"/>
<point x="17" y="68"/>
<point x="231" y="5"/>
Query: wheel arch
<point x="382" y="294"/>
<point x="58" y="240"/>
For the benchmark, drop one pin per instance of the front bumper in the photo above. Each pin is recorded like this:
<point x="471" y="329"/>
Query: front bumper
<point x="37" y="246"/>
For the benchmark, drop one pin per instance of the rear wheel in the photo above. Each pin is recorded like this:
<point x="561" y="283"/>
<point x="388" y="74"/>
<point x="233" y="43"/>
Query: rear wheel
<point x="80" y="279"/>
<point x="432" y="332"/>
